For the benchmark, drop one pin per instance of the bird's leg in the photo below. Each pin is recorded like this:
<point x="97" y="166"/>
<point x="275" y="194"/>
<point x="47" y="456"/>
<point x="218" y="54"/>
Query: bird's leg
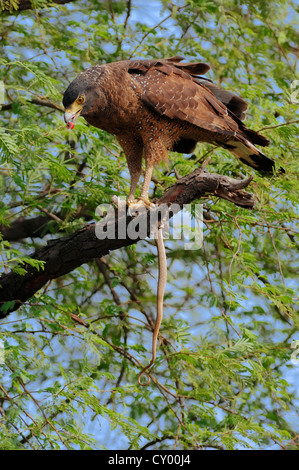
<point x="135" y="174"/>
<point x="146" y="182"/>
<point x="154" y="152"/>
<point x="133" y="185"/>
<point x="133" y="203"/>
<point x="133" y="150"/>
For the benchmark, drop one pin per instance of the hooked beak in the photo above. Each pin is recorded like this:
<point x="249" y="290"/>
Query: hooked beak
<point x="71" y="115"/>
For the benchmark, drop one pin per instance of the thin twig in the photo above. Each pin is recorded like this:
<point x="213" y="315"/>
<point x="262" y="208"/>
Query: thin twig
<point x="278" y="125"/>
<point x="154" y="27"/>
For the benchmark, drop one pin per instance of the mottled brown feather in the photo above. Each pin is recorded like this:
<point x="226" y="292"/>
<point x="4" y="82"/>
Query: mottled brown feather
<point x="178" y="97"/>
<point x="153" y="106"/>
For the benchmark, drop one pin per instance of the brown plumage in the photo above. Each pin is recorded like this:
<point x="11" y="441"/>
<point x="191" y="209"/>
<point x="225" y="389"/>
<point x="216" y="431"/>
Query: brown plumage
<point x="153" y="106"/>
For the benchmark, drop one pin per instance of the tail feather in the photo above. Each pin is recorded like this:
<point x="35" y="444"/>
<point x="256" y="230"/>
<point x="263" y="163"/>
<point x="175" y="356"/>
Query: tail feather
<point x="256" y="138"/>
<point x="247" y="153"/>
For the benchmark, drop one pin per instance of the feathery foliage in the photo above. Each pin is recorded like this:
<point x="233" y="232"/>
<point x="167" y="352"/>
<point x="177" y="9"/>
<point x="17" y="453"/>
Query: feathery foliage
<point x="224" y="377"/>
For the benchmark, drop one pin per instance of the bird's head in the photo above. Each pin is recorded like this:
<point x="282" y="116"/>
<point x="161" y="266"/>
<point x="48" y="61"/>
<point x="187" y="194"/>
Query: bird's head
<point x="81" y="98"/>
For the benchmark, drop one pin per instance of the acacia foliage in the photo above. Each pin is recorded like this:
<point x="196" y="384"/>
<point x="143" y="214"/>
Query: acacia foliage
<point x="223" y="377"/>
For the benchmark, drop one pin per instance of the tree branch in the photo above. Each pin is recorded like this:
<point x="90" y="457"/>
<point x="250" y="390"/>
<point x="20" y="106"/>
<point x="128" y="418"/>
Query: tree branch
<point x="39" y="226"/>
<point x="38" y="101"/>
<point x="65" y="254"/>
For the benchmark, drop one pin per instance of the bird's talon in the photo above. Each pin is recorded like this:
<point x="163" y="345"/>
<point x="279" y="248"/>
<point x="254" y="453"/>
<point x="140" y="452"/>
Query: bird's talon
<point x="148" y="204"/>
<point x="135" y="205"/>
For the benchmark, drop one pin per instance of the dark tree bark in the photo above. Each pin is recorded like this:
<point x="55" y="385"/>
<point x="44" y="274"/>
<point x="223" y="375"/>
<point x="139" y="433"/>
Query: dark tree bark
<point x="36" y="227"/>
<point x="65" y="254"/>
<point x="24" y="228"/>
<point x="29" y="5"/>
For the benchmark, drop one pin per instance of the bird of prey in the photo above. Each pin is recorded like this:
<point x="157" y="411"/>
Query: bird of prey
<point x="155" y="106"/>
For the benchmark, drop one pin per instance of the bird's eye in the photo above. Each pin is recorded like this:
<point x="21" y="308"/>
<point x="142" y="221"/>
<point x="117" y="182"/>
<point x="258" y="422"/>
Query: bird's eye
<point x="80" y="99"/>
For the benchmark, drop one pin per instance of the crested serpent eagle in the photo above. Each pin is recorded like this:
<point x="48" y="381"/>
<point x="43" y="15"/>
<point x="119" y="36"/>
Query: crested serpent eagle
<point x="153" y="106"/>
